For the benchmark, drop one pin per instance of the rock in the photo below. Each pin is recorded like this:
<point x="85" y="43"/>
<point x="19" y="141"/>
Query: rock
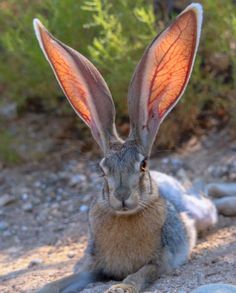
<point x="77" y="179"/>
<point x="8" y="111"/>
<point x="37" y="184"/>
<point x="232" y="171"/>
<point x="27" y="207"/>
<point x="215" y="288"/>
<point x="55" y="205"/>
<point x="7" y="233"/>
<point x="83" y="208"/>
<point x="218" y="190"/>
<point x="6" y="199"/>
<point x="54" y="212"/>
<point x="172" y="163"/>
<point x="59" y="228"/>
<point x="232" y="166"/>
<point x="3" y="225"/>
<point x="232" y="176"/>
<point x="24" y="196"/>
<point x="35" y="262"/>
<point x="71" y="254"/>
<point x="86" y="198"/>
<point x="71" y="208"/>
<point x="226" y="205"/>
<point x="218" y="171"/>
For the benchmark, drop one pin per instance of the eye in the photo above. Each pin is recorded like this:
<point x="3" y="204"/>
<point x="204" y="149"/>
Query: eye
<point x="143" y="165"/>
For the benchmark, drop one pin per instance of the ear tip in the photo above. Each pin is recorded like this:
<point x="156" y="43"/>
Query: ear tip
<point x="196" y="8"/>
<point x="36" y="23"/>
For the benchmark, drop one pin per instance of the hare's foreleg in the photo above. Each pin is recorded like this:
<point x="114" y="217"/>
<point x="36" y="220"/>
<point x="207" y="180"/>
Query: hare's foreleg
<point x="138" y="281"/>
<point x="71" y="284"/>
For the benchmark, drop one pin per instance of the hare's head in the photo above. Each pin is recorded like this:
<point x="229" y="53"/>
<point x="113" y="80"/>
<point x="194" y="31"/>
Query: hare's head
<point x="157" y="84"/>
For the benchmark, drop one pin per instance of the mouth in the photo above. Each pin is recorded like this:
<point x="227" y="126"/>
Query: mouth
<point x="124" y="207"/>
<point x="124" y="210"/>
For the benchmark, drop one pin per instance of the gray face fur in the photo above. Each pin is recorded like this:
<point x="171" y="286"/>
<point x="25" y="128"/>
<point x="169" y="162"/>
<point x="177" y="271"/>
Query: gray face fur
<point x="127" y="184"/>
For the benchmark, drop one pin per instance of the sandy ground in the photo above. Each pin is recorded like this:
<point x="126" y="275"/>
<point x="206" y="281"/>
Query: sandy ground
<point x="213" y="260"/>
<point x="43" y="227"/>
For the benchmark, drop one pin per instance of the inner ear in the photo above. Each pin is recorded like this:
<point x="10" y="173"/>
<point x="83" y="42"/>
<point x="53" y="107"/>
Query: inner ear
<point x="83" y="86"/>
<point x="162" y="75"/>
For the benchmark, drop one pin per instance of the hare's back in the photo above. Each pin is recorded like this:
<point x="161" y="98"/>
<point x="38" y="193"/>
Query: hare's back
<point x="197" y="206"/>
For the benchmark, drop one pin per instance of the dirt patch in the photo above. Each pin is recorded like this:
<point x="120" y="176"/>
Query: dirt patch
<point x="43" y="227"/>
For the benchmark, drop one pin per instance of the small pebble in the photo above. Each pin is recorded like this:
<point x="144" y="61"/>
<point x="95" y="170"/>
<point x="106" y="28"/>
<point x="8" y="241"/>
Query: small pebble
<point x="77" y="179"/>
<point x="218" y="171"/>
<point x="7" y="233"/>
<point x="24" y="228"/>
<point x="71" y="254"/>
<point x="85" y="198"/>
<point x="27" y="207"/>
<point x="6" y="199"/>
<point x="35" y="262"/>
<point x="215" y="288"/>
<point x="83" y="208"/>
<point x="3" y="225"/>
<point x="24" y="196"/>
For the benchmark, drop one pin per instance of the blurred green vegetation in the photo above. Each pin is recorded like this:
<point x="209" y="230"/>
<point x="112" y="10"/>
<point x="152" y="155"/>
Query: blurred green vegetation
<point x="113" y="35"/>
<point x="7" y="152"/>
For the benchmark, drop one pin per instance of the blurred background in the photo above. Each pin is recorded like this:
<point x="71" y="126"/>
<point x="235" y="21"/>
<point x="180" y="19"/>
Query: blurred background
<point x="35" y="118"/>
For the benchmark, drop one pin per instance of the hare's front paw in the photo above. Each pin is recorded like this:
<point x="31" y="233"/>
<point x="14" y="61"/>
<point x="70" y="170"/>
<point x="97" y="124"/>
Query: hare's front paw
<point x="122" y="288"/>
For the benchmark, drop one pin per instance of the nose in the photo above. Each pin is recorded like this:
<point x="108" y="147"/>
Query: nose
<point x="122" y="193"/>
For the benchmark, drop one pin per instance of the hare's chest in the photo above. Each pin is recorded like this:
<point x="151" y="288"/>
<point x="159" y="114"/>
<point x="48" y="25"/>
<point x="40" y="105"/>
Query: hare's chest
<point x="125" y="244"/>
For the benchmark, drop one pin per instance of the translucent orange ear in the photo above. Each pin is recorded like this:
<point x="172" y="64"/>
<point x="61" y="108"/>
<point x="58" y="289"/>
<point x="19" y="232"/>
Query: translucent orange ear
<point x="83" y="85"/>
<point x="163" y="73"/>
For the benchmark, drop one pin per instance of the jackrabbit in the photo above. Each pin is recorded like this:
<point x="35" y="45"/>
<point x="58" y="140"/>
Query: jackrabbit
<point x="144" y="223"/>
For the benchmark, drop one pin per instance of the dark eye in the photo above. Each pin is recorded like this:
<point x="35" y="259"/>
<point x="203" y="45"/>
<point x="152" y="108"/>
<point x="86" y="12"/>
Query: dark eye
<point x="143" y="165"/>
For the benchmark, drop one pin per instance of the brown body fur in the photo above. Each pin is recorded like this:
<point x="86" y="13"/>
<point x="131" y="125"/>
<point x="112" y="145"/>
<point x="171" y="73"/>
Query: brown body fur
<point x="126" y="243"/>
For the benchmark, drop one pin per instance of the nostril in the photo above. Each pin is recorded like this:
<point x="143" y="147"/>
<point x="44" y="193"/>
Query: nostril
<point x="122" y="193"/>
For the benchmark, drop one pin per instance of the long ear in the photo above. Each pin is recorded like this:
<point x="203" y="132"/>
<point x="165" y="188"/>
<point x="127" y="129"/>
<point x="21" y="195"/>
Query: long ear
<point x="162" y="75"/>
<point x="83" y="85"/>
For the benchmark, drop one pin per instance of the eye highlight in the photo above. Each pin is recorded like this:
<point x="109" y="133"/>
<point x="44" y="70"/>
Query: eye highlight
<point x="143" y="165"/>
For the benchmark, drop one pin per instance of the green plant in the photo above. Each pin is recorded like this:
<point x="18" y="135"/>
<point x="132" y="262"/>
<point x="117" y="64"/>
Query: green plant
<point x="7" y="152"/>
<point x="113" y="35"/>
